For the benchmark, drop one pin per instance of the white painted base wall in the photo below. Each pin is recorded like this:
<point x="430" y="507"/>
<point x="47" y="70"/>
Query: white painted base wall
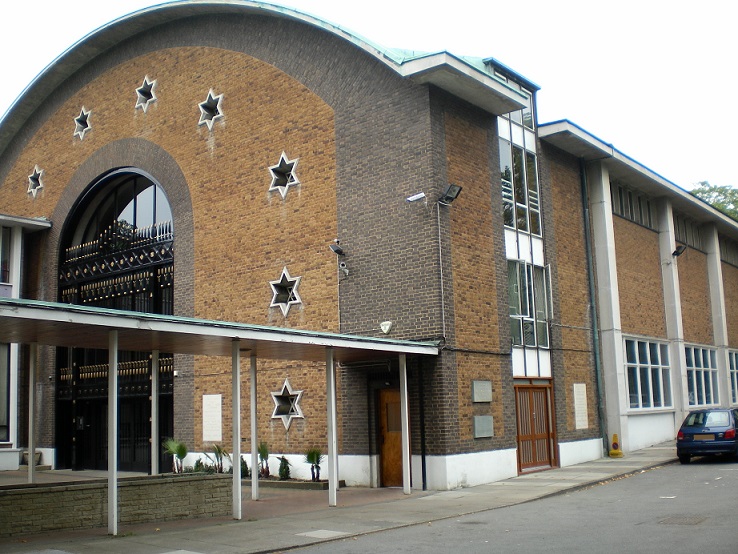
<point x="465" y="470"/>
<point x="9" y="459"/>
<point x="648" y="429"/>
<point x="578" y="452"/>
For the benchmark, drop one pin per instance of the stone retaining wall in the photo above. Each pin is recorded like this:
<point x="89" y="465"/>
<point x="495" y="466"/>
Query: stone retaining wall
<point x="28" y="509"/>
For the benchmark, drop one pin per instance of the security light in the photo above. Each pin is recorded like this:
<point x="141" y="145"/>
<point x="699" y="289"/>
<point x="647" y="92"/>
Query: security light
<point x="450" y="194"/>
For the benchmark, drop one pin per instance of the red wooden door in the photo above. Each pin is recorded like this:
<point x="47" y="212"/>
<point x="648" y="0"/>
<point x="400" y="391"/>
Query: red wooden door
<point x="390" y="438"/>
<point x="534" y="427"/>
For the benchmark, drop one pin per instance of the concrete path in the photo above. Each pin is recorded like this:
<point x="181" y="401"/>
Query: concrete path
<point x="285" y="519"/>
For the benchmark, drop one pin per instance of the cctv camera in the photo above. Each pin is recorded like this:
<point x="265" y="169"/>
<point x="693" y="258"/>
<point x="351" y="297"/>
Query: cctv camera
<point x="342" y="265"/>
<point x="415" y="197"/>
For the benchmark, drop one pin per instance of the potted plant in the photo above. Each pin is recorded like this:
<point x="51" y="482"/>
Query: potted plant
<point x="263" y="451"/>
<point x="314" y="457"/>
<point x="284" y="468"/>
<point x="178" y="450"/>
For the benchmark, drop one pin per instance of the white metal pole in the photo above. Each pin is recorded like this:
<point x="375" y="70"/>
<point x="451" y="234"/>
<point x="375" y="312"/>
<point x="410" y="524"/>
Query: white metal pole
<point x="113" y="432"/>
<point x="330" y="386"/>
<point x="155" y="438"/>
<point x="254" y="447"/>
<point x="32" y="413"/>
<point x="236" y="448"/>
<point x="404" y="422"/>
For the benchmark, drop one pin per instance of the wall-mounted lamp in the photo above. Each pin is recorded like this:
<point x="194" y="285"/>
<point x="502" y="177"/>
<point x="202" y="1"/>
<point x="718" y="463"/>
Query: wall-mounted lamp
<point x="679" y="250"/>
<point x="386" y="327"/>
<point x="449" y="195"/>
<point x="337" y="250"/>
<point x="415" y="197"/>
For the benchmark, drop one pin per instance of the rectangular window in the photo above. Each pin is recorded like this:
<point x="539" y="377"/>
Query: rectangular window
<point x="648" y="374"/>
<point x="4" y="392"/>
<point x="529" y="300"/>
<point x="631" y="205"/>
<point x="733" y="359"/>
<point x="702" y="376"/>
<point x="519" y="175"/>
<point x="4" y="254"/>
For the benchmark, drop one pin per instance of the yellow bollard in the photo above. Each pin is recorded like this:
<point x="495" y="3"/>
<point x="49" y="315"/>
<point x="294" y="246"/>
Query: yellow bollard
<point x="615" y="451"/>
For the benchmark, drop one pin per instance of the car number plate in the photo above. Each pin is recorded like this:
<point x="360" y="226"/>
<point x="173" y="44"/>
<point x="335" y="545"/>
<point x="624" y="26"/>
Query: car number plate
<point x="704" y="437"/>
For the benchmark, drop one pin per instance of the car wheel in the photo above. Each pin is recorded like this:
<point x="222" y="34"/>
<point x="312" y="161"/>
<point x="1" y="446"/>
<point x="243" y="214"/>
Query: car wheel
<point x="684" y="458"/>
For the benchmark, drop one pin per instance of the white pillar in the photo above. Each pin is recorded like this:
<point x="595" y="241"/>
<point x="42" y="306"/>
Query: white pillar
<point x="155" y="438"/>
<point x="236" y="448"/>
<point x="673" y="309"/>
<point x="608" y="301"/>
<point x="254" y="446"/>
<point x="330" y="393"/>
<point x="404" y="423"/>
<point x="16" y="250"/>
<point x="719" y="316"/>
<point x="113" y="432"/>
<point x="32" y="413"/>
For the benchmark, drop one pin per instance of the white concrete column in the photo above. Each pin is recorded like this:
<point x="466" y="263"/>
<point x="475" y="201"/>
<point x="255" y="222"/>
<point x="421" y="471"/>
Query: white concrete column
<point x="608" y="301"/>
<point x="254" y="434"/>
<point x="405" y="424"/>
<point x="717" y="304"/>
<point x="16" y="251"/>
<point x="236" y="448"/>
<point x="330" y="394"/>
<point x="155" y="438"/>
<point x="673" y="309"/>
<point x="33" y="356"/>
<point x="113" y="432"/>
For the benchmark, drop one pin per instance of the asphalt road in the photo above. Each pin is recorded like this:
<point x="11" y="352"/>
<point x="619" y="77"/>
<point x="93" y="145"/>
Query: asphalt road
<point x="675" y="508"/>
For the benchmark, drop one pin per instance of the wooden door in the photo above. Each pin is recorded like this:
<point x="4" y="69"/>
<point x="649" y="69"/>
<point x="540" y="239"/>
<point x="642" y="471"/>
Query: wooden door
<point x="534" y="427"/>
<point x="390" y="438"/>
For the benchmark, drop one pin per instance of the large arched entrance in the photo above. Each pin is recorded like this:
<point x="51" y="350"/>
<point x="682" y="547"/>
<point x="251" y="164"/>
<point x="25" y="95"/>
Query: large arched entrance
<point x="116" y="251"/>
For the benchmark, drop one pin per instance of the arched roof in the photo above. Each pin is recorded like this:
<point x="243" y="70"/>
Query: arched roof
<point x="466" y="78"/>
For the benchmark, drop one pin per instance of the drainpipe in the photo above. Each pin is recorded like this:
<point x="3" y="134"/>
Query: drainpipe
<point x="593" y="306"/>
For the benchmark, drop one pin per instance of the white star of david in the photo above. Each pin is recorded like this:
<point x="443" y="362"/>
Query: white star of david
<point x="35" y="183"/>
<point x="284" y="292"/>
<point x="287" y="404"/>
<point x="210" y="110"/>
<point x="284" y="175"/>
<point x="146" y="94"/>
<point x="81" y="123"/>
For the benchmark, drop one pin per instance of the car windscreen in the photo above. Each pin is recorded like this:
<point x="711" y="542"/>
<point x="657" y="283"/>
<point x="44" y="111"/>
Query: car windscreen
<point x="708" y="419"/>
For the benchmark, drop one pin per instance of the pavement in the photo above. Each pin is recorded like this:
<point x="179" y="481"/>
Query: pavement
<point x="284" y="519"/>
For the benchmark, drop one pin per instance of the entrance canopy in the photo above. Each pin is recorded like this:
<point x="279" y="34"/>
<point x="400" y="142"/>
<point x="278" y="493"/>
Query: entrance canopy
<point x="55" y="324"/>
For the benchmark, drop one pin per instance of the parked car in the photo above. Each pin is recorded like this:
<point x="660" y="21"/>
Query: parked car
<point x="708" y="432"/>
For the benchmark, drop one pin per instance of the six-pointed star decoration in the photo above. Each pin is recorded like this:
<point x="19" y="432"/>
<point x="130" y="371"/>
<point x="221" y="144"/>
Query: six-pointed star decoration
<point x="210" y="110"/>
<point x="284" y="175"/>
<point x="284" y="292"/>
<point x="287" y="404"/>
<point x="145" y="94"/>
<point x="35" y="183"/>
<point x="82" y="123"/>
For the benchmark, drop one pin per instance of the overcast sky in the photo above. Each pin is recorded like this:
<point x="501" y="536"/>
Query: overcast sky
<point x="653" y="78"/>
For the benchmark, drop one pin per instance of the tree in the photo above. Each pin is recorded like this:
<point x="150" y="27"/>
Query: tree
<point x="722" y="198"/>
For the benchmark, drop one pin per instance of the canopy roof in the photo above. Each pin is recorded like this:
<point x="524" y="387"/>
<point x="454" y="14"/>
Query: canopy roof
<point x="55" y="324"/>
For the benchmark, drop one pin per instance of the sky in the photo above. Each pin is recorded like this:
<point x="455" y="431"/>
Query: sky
<point x="651" y="77"/>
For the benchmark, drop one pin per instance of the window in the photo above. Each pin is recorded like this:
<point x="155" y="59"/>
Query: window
<point x="687" y="231"/>
<point x="702" y="376"/>
<point x="631" y="205"/>
<point x="728" y="250"/>
<point x="529" y="299"/>
<point x="519" y="173"/>
<point x="4" y="393"/>
<point x="647" y="372"/>
<point x="733" y="359"/>
<point x="4" y="254"/>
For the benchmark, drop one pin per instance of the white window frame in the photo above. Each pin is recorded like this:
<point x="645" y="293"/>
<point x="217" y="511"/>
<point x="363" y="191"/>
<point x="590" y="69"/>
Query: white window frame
<point x="733" y="374"/>
<point x="530" y="304"/>
<point x="647" y="374"/>
<point x="702" y="376"/>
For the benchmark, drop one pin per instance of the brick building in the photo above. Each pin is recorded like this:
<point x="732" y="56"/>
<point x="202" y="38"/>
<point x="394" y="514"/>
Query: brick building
<point x="241" y="162"/>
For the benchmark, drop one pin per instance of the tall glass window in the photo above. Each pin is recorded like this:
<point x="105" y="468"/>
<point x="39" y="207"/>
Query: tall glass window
<point x="4" y="393"/>
<point x="518" y="170"/>
<point x="733" y="358"/>
<point x="528" y="295"/>
<point x="4" y="254"/>
<point x="702" y="376"/>
<point x="647" y="370"/>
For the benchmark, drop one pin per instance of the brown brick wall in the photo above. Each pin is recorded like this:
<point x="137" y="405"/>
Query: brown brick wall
<point x="39" y="509"/>
<point x="695" y="295"/>
<point x="730" y="288"/>
<point x="571" y="331"/>
<point x="642" y="309"/>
